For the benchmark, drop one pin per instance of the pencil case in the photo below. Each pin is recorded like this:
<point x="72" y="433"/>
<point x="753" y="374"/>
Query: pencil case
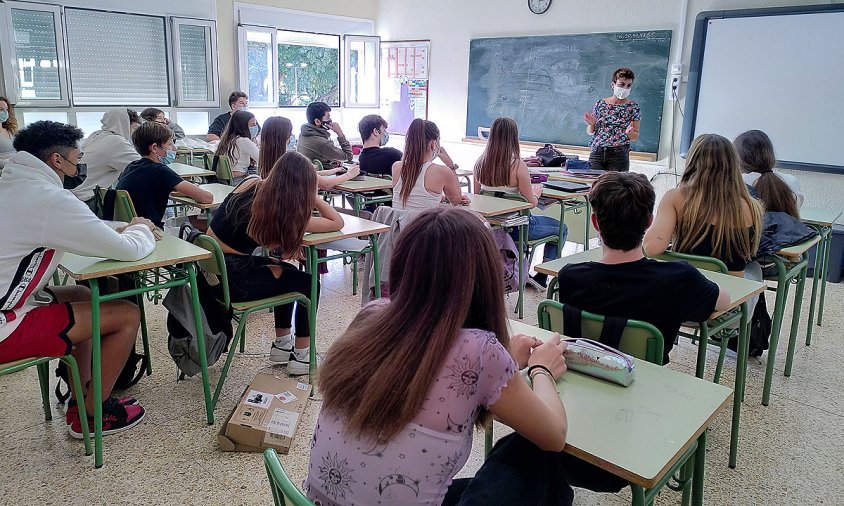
<point x="538" y="178"/>
<point x="599" y="360"/>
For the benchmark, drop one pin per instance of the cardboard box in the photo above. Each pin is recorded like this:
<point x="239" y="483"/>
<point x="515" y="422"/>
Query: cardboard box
<point x="266" y="416"/>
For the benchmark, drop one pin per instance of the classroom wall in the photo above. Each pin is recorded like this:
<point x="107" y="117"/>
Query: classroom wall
<point x="450" y="25"/>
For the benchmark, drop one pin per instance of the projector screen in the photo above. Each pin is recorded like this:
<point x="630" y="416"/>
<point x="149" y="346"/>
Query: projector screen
<point x="777" y="70"/>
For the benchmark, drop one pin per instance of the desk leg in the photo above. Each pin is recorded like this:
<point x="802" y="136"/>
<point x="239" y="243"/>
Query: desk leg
<point x="521" y="302"/>
<point x="776" y="325"/>
<point x="741" y="377"/>
<point x="373" y="241"/>
<point x="700" y="464"/>
<point x="795" y="315"/>
<point x="96" y="373"/>
<point x="358" y="204"/>
<point x="200" y="342"/>
<point x="588" y="220"/>
<point x="144" y="331"/>
<point x="825" y="269"/>
<point x="819" y="250"/>
<point x="311" y="258"/>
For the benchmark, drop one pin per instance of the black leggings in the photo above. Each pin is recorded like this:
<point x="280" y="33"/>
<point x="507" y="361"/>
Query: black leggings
<point x="610" y="158"/>
<point x="250" y="278"/>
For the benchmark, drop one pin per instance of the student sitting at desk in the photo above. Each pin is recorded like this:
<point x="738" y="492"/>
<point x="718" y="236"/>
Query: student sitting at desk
<point x="238" y="143"/>
<point x="238" y="101"/>
<point x="501" y="169"/>
<point x="149" y="180"/>
<point x="107" y="152"/>
<point x="375" y="157"/>
<point x="275" y="213"/>
<point x="8" y="129"/>
<point x="48" y="221"/>
<point x="626" y="284"/>
<point x="407" y="383"/>
<point x="157" y="115"/>
<point x="419" y="183"/>
<point x="779" y="192"/>
<point x="315" y="139"/>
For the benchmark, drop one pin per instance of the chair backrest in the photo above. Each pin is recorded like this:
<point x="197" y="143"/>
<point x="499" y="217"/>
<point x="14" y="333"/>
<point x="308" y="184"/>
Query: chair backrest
<point x="317" y="164"/>
<point x="221" y="165"/>
<point x="285" y="493"/>
<point x="697" y="261"/>
<point x="124" y="208"/>
<point x="215" y="265"/>
<point x="639" y="339"/>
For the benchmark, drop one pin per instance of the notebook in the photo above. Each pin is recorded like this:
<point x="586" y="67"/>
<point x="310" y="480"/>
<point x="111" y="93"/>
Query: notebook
<point x="567" y="186"/>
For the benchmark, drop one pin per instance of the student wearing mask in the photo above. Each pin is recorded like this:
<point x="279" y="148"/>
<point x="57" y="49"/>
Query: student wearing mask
<point x="157" y="115"/>
<point x="613" y="124"/>
<point x="315" y="139"/>
<point x="239" y="145"/>
<point x="238" y="101"/>
<point x="41" y="321"/>
<point x="778" y="191"/>
<point x="8" y="129"/>
<point x="149" y="180"/>
<point x="376" y="157"/>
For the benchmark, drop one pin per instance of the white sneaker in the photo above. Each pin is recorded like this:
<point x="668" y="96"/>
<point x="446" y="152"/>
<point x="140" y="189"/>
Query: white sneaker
<point x="299" y="364"/>
<point x="282" y="349"/>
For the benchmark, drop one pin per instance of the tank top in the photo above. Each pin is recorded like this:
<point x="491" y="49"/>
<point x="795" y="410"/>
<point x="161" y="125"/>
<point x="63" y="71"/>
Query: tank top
<point x="420" y="198"/>
<point x="231" y="220"/>
<point x="510" y="190"/>
<point x="706" y="247"/>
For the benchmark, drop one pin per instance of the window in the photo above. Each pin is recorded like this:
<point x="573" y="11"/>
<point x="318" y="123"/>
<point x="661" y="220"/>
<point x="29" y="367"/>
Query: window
<point x="89" y="121"/>
<point x="195" y="63"/>
<point x="193" y="122"/>
<point x="362" y="70"/>
<point x="308" y="68"/>
<point x="33" y="116"/>
<point x="258" y="64"/>
<point x="35" y="53"/>
<point x="117" y="59"/>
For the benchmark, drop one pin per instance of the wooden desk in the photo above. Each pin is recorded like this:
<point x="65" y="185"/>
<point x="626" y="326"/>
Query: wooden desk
<point x="185" y="171"/>
<point x="352" y="227"/>
<point x="169" y="252"/>
<point x="639" y="432"/>
<point x="741" y="290"/>
<point x="220" y="192"/>
<point x="822" y="220"/>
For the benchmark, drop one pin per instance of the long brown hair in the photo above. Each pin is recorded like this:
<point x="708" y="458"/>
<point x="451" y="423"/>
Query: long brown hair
<point x="714" y="193"/>
<point x="10" y="124"/>
<point x="419" y="134"/>
<point x="378" y="373"/>
<point x="756" y="153"/>
<point x="274" y="137"/>
<point x="283" y="204"/>
<point x="502" y="151"/>
<point x="238" y="126"/>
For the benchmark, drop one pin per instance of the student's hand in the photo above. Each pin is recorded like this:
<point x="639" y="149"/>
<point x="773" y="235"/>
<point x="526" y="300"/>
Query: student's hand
<point x="157" y="232"/>
<point x="335" y="127"/>
<point x="520" y="348"/>
<point x="353" y="171"/>
<point x="589" y="118"/>
<point x="536" y="190"/>
<point x="629" y="128"/>
<point x="550" y="354"/>
<point x="465" y="200"/>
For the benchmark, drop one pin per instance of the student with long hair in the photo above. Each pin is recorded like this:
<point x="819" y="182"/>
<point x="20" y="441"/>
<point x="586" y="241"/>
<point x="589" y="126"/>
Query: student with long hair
<point x="779" y="192"/>
<point x="411" y="376"/>
<point x="501" y="169"/>
<point x="274" y="213"/>
<point x="274" y="138"/>
<point x="8" y="129"/>
<point x="418" y="182"/>
<point x="238" y="144"/>
<point x="711" y="212"/>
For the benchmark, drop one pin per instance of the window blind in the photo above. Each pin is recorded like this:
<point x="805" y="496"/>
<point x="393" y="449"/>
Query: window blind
<point x="194" y="42"/>
<point x="36" y="55"/>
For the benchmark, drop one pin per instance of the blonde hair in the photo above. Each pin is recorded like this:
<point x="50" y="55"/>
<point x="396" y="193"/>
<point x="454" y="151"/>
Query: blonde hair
<point x="502" y="152"/>
<point x="713" y="192"/>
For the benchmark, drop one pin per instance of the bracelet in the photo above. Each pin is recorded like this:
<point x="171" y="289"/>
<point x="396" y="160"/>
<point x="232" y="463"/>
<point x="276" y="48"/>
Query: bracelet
<point x="540" y="372"/>
<point x="539" y="367"/>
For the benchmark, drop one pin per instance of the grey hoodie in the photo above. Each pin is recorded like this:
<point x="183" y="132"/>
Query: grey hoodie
<point x="315" y="143"/>
<point x="107" y="152"/>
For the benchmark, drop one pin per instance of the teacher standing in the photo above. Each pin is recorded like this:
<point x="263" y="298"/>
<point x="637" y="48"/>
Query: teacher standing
<point x="613" y="123"/>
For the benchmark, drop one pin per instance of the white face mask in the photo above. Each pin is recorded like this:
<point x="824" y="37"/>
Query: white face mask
<point x="620" y="93"/>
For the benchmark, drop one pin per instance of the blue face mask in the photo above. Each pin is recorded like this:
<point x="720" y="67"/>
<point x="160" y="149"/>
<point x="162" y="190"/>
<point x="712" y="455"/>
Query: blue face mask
<point x="4" y="116"/>
<point x="253" y="131"/>
<point x="168" y="158"/>
<point x="385" y="139"/>
<point x="245" y="108"/>
<point x="291" y="143"/>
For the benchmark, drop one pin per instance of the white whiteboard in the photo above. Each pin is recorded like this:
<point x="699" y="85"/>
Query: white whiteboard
<point x="783" y="74"/>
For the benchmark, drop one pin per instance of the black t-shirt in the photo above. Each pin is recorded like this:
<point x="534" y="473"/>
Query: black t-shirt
<point x="231" y="221"/>
<point x="149" y="184"/>
<point x="664" y="294"/>
<point x="219" y="124"/>
<point x="375" y="160"/>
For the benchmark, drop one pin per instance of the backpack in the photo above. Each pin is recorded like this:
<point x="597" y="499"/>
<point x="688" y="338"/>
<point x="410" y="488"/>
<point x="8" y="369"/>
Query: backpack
<point x="509" y="254"/>
<point x="181" y="329"/>
<point x="551" y="156"/>
<point x="760" y="330"/>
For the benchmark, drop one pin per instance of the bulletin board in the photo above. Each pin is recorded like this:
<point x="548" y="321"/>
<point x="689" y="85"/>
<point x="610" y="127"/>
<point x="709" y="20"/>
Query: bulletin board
<point x="405" y="67"/>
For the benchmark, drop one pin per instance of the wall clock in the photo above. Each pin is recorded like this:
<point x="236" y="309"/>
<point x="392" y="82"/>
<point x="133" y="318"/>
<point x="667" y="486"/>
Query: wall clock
<point x="539" y="6"/>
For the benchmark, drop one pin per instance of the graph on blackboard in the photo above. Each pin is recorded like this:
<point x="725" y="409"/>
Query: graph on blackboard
<point x="547" y="82"/>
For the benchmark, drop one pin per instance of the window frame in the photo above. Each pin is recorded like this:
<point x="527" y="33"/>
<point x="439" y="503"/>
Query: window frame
<point x="243" y="63"/>
<point x="8" y="54"/>
<point x="211" y="61"/>
<point x="346" y="66"/>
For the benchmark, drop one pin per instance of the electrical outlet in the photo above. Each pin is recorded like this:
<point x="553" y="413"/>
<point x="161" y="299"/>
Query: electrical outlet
<point x="676" y="69"/>
<point x="675" y="82"/>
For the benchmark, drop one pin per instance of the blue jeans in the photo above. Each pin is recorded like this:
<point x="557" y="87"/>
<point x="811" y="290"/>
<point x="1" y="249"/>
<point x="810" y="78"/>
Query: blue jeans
<point x="540" y="227"/>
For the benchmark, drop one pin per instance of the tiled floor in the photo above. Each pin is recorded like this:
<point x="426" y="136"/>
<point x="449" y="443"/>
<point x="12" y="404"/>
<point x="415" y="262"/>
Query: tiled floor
<point x="791" y="452"/>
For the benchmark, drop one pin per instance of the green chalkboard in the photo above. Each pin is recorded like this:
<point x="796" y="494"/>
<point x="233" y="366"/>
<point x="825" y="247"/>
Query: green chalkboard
<point x="547" y="82"/>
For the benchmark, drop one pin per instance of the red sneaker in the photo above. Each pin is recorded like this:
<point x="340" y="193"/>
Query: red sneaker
<point x="116" y="418"/>
<point x="72" y="412"/>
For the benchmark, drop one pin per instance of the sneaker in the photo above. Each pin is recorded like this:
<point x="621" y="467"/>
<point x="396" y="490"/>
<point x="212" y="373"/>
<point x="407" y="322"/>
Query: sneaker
<point x="116" y="418"/>
<point x="539" y="281"/>
<point x="72" y="412"/>
<point x="281" y="349"/>
<point x="299" y="364"/>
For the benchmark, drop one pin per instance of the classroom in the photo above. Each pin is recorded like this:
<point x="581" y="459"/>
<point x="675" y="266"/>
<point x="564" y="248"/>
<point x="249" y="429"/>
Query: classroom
<point x="543" y="252"/>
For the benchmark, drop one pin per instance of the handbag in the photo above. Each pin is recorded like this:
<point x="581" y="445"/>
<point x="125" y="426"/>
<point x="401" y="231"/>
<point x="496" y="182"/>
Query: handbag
<point x="551" y="156"/>
<point x="599" y="360"/>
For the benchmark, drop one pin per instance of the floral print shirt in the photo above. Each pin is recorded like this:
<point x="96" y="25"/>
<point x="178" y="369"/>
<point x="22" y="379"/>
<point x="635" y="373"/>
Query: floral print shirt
<point x="611" y="122"/>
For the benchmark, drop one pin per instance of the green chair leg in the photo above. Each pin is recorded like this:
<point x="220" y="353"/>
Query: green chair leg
<point x="243" y="337"/>
<point x="719" y="367"/>
<point x="776" y="324"/>
<point x="239" y="335"/>
<point x="795" y="319"/>
<point x="83" y="413"/>
<point x="145" y="333"/>
<point x="44" y="380"/>
<point x="355" y="275"/>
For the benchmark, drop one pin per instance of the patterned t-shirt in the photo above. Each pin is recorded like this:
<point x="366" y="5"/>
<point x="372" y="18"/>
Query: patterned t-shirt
<point x="612" y="121"/>
<point x="417" y="465"/>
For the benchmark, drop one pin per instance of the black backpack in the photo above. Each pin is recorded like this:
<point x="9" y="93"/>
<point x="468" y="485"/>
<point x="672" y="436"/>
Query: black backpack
<point x="133" y="371"/>
<point x="551" y="156"/>
<point x="760" y="330"/>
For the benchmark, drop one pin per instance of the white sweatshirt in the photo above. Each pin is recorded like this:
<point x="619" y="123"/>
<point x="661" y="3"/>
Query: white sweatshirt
<point x="43" y="221"/>
<point x="107" y="153"/>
